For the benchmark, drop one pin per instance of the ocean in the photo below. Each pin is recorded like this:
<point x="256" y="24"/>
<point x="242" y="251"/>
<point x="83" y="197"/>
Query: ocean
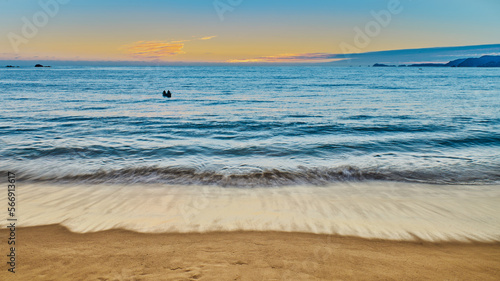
<point x="391" y="153"/>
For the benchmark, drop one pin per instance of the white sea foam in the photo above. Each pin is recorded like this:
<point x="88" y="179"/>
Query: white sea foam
<point x="387" y="210"/>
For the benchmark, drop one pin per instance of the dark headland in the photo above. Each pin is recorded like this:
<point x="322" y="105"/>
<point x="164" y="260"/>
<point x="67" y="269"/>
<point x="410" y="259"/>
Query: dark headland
<point x="484" y="61"/>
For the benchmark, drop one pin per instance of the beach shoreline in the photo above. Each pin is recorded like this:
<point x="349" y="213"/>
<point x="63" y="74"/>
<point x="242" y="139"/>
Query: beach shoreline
<point x="371" y="210"/>
<point x="54" y="253"/>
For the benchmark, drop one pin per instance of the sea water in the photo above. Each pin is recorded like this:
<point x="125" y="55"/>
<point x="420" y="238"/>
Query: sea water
<point x="312" y="149"/>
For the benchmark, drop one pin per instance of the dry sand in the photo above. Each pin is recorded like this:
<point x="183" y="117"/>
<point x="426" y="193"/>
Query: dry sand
<point x="54" y="253"/>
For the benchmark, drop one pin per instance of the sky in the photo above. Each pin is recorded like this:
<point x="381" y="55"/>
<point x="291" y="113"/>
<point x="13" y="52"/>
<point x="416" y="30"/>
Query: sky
<point x="239" y="31"/>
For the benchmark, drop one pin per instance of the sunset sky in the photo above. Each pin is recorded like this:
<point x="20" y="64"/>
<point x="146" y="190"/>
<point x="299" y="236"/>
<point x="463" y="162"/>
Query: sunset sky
<point x="235" y="30"/>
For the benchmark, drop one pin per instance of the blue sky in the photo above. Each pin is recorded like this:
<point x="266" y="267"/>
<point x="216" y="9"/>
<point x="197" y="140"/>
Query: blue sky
<point x="172" y="31"/>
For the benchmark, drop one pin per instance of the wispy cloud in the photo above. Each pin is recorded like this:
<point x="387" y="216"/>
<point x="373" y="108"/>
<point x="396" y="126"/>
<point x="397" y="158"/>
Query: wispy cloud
<point x="207" y="37"/>
<point x="405" y="56"/>
<point x="157" y="50"/>
<point x="154" y="49"/>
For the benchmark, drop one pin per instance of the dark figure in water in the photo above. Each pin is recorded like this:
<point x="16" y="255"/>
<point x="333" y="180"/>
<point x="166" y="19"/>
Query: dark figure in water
<point x="167" y="94"/>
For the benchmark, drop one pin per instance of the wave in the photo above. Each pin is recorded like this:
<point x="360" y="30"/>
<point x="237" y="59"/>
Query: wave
<point x="291" y="148"/>
<point x="265" y="177"/>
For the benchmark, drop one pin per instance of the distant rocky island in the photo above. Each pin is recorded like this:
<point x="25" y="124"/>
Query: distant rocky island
<point x="484" y="61"/>
<point x="37" y="65"/>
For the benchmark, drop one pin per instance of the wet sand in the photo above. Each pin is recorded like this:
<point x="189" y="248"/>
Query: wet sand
<point x="54" y="253"/>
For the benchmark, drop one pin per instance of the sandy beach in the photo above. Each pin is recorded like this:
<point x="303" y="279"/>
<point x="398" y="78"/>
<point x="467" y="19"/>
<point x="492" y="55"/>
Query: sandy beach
<point x="249" y="140"/>
<point x="54" y="253"/>
<point x="363" y="231"/>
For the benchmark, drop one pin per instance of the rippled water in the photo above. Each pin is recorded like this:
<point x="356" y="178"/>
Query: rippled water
<point x="251" y="126"/>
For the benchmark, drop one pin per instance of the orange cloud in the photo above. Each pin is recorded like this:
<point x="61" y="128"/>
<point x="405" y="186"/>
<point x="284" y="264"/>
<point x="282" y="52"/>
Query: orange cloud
<point x="154" y="49"/>
<point x="207" y="37"/>
<point x="306" y="57"/>
<point x="157" y="50"/>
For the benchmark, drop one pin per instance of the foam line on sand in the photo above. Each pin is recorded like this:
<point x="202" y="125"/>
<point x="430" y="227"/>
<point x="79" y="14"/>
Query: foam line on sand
<point x="380" y="210"/>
